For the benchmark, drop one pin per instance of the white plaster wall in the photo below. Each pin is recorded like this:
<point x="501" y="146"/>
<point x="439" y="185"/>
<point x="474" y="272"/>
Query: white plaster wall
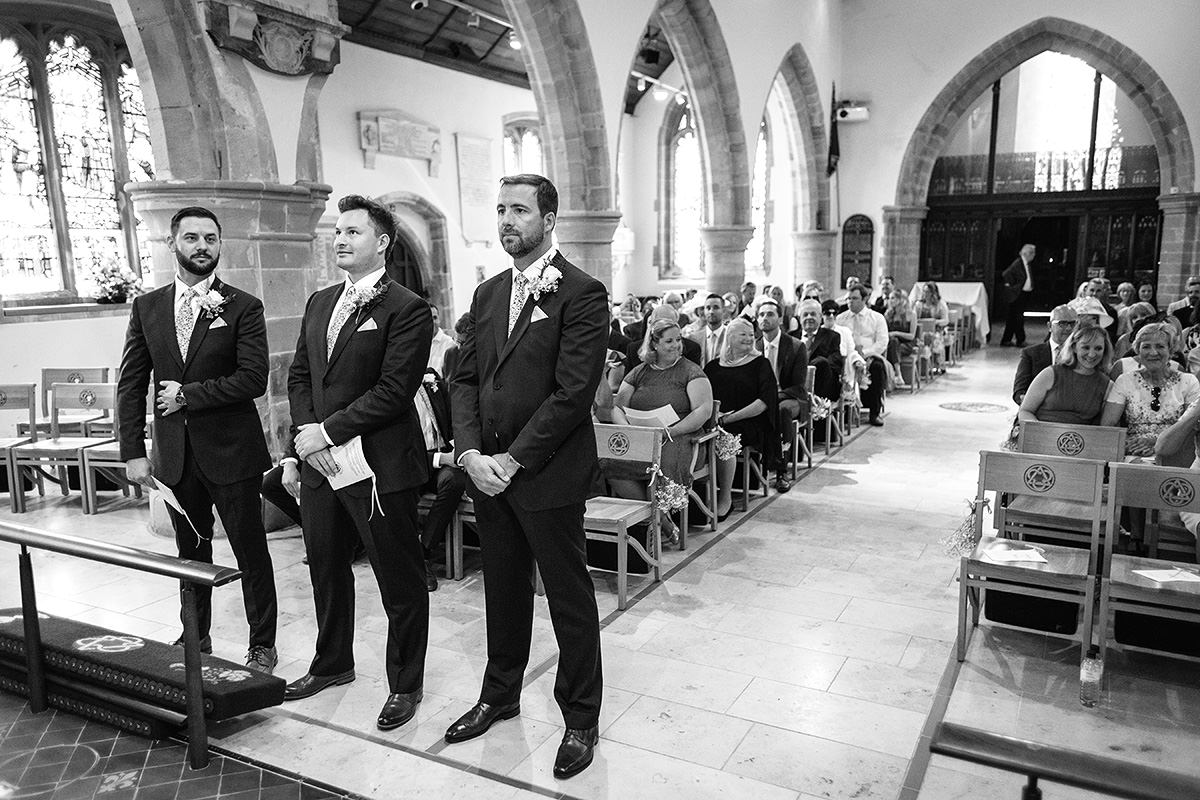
<point x="900" y="54"/>
<point x="453" y="101"/>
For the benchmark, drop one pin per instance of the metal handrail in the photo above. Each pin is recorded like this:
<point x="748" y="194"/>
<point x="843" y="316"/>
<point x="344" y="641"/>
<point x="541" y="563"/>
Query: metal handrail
<point x="196" y="572"/>
<point x="1036" y="760"/>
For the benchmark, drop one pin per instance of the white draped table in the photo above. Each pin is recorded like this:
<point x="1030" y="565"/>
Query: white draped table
<point x="964" y="293"/>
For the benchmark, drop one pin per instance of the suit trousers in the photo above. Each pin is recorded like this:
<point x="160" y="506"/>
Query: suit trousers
<point x="448" y="485"/>
<point x="1014" y="320"/>
<point x="789" y="410"/>
<point x="872" y="396"/>
<point x="333" y="524"/>
<point x="511" y="538"/>
<point x="274" y="493"/>
<point x="240" y="509"/>
<point x="827" y="383"/>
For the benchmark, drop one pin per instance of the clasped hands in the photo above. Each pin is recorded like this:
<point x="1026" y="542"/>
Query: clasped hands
<point x="311" y="446"/>
<point x="491" y="474"/>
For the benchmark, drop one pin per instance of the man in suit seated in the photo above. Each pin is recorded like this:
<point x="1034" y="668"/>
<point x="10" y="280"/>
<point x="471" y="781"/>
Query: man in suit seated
<point x="1182" y="309"/>
<point x="446" y="480"/>
<point x="1036" y="358"/>
<point x="824" y="349"/>
<point x="886" y="286"/>
<point x="711" y="337"/>
<point x="691" y="350"/>
<point x="789" y="361"/>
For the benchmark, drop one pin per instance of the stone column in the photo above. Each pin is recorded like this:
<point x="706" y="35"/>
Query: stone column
<point x="725" y="255"/>
<point x="266" y="249"/>
<point x="1179" y="256"/>
<point x="902" y="242"/>
<point x="585" y="238"/>
<point x="813" y="254"/>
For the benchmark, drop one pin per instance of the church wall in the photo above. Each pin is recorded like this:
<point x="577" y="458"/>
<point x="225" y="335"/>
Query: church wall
<point x="899" y="55"/>
<point x="452" y="101"/>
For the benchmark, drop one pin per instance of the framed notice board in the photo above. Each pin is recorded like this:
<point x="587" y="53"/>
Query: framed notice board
<point x="858" y="239"/>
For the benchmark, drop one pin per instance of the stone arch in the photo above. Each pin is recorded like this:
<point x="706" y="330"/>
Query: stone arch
<point x="206" y="119"/>
<point x="434" y="256"/>
<point x="1126" y="68"/>
<point x="806" y="117"/>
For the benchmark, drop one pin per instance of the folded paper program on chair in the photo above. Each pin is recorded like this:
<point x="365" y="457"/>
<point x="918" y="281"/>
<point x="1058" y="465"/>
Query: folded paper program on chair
<point x="1012" y="552"/>
<point x="655" y="418"/>
<point x="1168" y="575"/>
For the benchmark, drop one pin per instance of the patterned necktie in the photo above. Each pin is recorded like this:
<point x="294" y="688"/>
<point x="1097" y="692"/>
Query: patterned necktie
<point x="344" y="310"/>
<point x="185" y="320"/>
<point x="520" y="291"/>
<point x="771" y="357"/>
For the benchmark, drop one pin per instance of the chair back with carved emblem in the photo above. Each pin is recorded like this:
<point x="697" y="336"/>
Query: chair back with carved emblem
<point x="628" y="451"/>
<point x="91" y="397"/>
<point x="20" y="397"/>
<point x="1072" y="441"/>
<point x="69" y="375"/>
<point x="1163" y="491"/>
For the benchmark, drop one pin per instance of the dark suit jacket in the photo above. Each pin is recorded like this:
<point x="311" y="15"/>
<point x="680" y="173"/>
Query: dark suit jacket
<point x="530" y="393"/>
<point x="1034" y="359"/>
<point x="827" y="344"/>
<point x="793" y="364"/>
<point x="439" y="401"/>
<point x="691" y="351"/>
<point x="1014" y="278"/>
<point x="366" y="386"/>
<point x="225" y="370"/>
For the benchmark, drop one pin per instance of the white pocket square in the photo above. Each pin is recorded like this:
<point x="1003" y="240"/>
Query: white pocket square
<point x="369" y="325"/>
<point x="218" y="323"/>
<point x="538" y="315"/>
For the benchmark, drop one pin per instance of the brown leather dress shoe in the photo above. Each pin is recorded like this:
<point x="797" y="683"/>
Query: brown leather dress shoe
<point x="311" y="684"/>
<point x="576" y="751"/>
<point x="477" y="721"/>
<point x="399" y="709"/>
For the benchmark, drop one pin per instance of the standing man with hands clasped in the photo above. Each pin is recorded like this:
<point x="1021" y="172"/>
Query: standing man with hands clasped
<point x="359" y="359"/>
<point x="206" y="344"/>
<point x="528" y="369"/>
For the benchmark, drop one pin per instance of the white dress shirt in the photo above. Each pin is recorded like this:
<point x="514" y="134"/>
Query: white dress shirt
<point x="1028" y="285"/>
<point x="200" y="288"/>
<point x="362" y="285"/>
<point x="433" y="437"/>
<point x="869" y="329"/>
<point x="442" y="342"/>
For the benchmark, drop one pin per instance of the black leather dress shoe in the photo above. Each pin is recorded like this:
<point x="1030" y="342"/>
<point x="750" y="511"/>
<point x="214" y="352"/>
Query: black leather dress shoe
<point x="205" y="644"/>
<point x="430" y="577"/>
<point x="876" y="421"/>
<point x="477" y="721"/>
<point x="398" y="709"/>
<point x="311" y="684"/>
<point x="575" y="752"/>
<point x="782" y="484"/>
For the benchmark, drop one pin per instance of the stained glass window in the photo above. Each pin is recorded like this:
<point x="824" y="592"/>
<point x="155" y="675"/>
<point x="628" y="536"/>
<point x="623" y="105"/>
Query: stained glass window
<point x="687" y="202"/>
<point x="65" y="102"/>
<point x="522" y="148"/>
<point x="28" y="252"/>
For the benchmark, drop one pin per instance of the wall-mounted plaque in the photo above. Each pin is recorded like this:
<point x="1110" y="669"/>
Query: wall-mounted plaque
<point x="858" y="236"/>
<point x="394" y="133"/>
<point x="477" y="188"/>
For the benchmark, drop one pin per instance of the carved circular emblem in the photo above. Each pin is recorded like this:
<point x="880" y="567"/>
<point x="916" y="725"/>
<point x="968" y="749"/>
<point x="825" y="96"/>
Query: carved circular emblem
<point x="74" y="377"/>
<point x="1070" y="444"/>
<point x="211" y="674"/>
<point x="3" y="398"/>
<point x="618" y="444"/>
<point x="1176" y="492"/>
<point x="109" y="644"/>
<point x="1039" y="478"/>
<point x="87" y="398"/>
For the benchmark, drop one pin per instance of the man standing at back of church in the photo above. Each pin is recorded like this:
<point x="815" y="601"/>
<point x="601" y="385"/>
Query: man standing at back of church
<point x="206" y="344"/>
<point x="528" y="369"/>
<point x="1018" y="288"/>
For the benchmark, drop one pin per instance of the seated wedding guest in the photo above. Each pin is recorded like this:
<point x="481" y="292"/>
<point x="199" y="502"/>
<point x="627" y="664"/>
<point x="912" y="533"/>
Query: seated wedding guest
<point x="711" y="337"/>
<point x="732" y="305"/>
<point x="887" y="285"/>
<point x="442" y="341"/>
<point x="635" y="331"/>
<point x="1183" y="308"/>
<point x="1152" y="397"/>
<point x="1127" y="294"/>
<point x="746" y="296"/>
<point x="675" y="301"/>
<point x="1091" y="313"/>
<point x="1098" y="289"/>
<point x="1082" y="291"/>
<point x="902" y="332"/>
<point x="691" y="349"/>
<point x="1132" y="317"/>
<point x="931" y="306"/>
<point x="447" y="481"/>
<point x="789" y="363"/>
<point x="870" y="336"/>
<point x="1037" y="357"/>
<point x="824" y="349"/>
<point x="665" y="378"/>
<point x="1073" y="389"/>
<point x="1145" y="294"/>
<point x="745" y="386"/>
<point x="1180" y="443"/>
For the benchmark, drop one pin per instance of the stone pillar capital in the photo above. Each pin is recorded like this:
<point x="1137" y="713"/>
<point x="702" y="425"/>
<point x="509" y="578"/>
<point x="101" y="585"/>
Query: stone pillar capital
<point x="725" y="255"/>
<point x="726" y="237"/>
<point x="904" y="213"/>
<point x="585" y="238"/>
<point x="276" y="36"/>
<point x="1179" y="203"/>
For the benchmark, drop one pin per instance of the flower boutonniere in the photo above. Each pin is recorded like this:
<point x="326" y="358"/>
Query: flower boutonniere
<point x="546" y="283"/>
<point x="213" y="303"/>
<point x="365" y="298"/>
<point x="431" y="381"/>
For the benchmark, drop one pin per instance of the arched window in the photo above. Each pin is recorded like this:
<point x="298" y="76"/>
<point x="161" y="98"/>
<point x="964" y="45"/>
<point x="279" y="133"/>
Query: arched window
<point x="522" y="146"/>
<point x="73" y="132"/>
<point x="758" y="252"/>
<point x="685" y="201"/>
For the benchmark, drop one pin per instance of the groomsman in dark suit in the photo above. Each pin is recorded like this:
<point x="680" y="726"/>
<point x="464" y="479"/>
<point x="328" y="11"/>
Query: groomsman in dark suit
<point x="528" y="369"/>
<point x="789" y="361"/>
<point x="206" y="344"/>
<point x="360" y="356"/>
<point x="446" y="480"/>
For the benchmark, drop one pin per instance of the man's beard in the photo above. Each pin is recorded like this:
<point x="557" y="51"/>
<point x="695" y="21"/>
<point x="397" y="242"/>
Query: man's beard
<point x="523" y="246"/>
<point x="196" y="269"/>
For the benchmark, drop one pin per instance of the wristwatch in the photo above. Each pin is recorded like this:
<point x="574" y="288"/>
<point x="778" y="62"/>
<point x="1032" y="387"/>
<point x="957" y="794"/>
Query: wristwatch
<point x="180" y="400"/>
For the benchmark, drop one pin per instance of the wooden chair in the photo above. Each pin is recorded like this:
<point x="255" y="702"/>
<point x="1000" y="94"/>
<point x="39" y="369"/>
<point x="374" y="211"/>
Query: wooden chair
<point x="704" y="471"/>
<point x="61" y="451"/>
<point x="72" y="423"/>
<point x="627" y="450"/>
<point x="927" y="338"/>
<point x="1158" y="489"/>
<point x="19" y="397"/>
<point x="105" y="459"/>
<point x="802" y="426"/>
<point x="751" y="460"/>
<point x="1068" y="573"/>
<point x="952" y="334"/>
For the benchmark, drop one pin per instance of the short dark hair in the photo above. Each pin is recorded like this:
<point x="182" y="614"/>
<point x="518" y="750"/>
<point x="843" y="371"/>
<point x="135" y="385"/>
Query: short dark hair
<point x="861" y="288"/>
<point x="462" y="324"/>
<point x="770" y="303"/>
<point x="830" y="307"/>
<point x="713" y="296"/>
<point x="381" y="219"/>
<point x="547" y="195"/>
<point x="193" y="211"/>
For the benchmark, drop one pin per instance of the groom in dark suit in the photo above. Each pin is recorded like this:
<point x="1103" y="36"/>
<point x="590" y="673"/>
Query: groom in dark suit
<point x="206" y="344"/>
<point x="359" y="359"/>
<point x="528" y="369"/>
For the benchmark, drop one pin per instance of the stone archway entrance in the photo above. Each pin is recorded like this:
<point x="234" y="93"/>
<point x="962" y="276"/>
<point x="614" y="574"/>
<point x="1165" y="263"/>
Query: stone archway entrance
<point x="429" y="246"/>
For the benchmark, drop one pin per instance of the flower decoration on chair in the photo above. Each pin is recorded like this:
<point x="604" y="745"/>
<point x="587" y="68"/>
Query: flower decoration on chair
<point x="116" y="282"/>
<point x="727" y="444"/>
<point x="671" y="495"/>
<point x="546" y="283"/>
<point x="963" y="540"/>
<point x="821" y="407"/>
<point x="213" y="303"/>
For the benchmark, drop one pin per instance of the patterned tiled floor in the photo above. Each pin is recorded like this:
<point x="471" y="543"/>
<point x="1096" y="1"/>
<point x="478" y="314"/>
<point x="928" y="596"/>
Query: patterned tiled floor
<point x="59" y="756"/>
